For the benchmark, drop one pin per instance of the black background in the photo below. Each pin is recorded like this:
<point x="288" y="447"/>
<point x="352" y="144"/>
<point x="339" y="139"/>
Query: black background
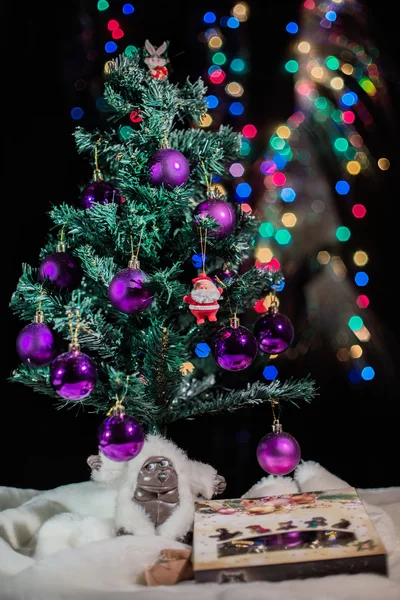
<point x="351" y="431"/>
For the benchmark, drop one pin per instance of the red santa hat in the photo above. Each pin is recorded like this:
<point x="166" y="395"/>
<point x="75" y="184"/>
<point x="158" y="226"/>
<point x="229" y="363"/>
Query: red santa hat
<point x="202" y="277"/>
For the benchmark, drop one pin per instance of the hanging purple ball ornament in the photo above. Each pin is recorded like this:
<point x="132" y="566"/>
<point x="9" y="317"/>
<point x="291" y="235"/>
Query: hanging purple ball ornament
<point x="120" y="437"/>
<point x="36" y="344"/>
<point x="98" y="192"/>
<point x="278" y="453"/>
<point x="73" y="374"/>
<point x="126" y="291"/>
<point x="274" y="332"/>
<point x="168" y="167"/>
<point x="221" y="211"/>
<point x="61" y="268"/>
<point x="234" y="347"/>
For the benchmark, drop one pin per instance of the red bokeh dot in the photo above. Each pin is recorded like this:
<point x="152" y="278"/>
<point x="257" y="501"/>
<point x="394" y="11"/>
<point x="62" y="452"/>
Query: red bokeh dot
<point x="348" y="116"/>
<point x="112" y="24"/>
<point x="217" y="76"/>
<point x="135" y="116"/>
<point x="359" y="211"/>
<point x="249" y="131"/>
<point x="309" y="4"/>
<point x="278" y="178"/>
<point x="259" y="306"/>
<point x="362" y="301"/>
<point x="274" y="264"/>
<point x="246" y="207"/>
<point x="117" y="34"/>
<point x="303" y="89"/>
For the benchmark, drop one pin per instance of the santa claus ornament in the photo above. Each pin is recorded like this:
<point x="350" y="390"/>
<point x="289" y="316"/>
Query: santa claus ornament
<point x="157" y="489"/>
<point x="203" y="299"/>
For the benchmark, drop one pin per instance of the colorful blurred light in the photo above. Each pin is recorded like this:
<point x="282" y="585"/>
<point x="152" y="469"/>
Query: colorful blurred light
<point x="236" y="108"/>
<point x="360" y="258"/>
<point x="349" y="99"/>
<point x="304" y="47"/>
<point x="236" y="169"/>
<point x="283" y="237"/>
<point x="361" y="278"/>
<point x="77" y="113"/>
<point x="237" y="65"/>
<point x="331" y="15"/>
<point x="117" y="34"/>
<point x="292" y="66"/>
<point x="288" y="194"/>
<point x="240" y="11"/>
<point x="359" y="211"/>
<point x="243" y="190"/>
<point x="209" y="17"/>
<point x="249" y="131"/>
<point x="102" y="5"/>
<point x="332" y="63"/>
<point x="343" y="233"/>
<point x="341" y="144"/>
<point x="384" y="164"/>
<point x="206" y="121"/>
<point x="279" y="178"/>
<point x="354" y="376"/>
<point x="362" y="301"/>
<point x="283" y="132"/>
<point x="112" y="24"/>
<point x="234" y="89"/>
<point x="368" y="373"/>
<point x="219" y="58"/>
<point x="215" y="42"/>
<point x="292" y="27"/>
<point x="342" y="187"/>
<point x="202" y="350"/>
<point x="217" y="76"/>
<point x="212" y="101"/>
<point x="110" y="47"/>
<point x="348" y="117"/>
<point x="289" y="219"/>
<point x="128" y="9"/>
<point x="266" y="230"/>
<point x="233" y="23"/>
<point x="355" y="323"/>
<point x="353" y="167"/>
<point x="264" y="255"/>
<point x="323" y="257"/>
<point x="270" y="373"/>
<point x="356" y="351"/>
<point x="337" y="83"/>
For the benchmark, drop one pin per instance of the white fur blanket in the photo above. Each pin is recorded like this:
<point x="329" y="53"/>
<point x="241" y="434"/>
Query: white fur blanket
<point x="60" y="545"/>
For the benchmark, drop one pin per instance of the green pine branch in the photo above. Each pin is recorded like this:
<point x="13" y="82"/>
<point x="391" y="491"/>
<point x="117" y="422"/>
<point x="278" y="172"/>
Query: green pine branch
<point x="216" y="401"/>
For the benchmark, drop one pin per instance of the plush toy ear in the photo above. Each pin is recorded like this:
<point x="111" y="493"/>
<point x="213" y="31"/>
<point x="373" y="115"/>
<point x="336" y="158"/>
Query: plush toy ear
<point x="149" y="47"/>
<point x="161" y="49"/>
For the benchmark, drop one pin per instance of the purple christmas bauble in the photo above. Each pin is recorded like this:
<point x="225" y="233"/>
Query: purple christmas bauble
<point x="220" y="211"/>
<point x="61" y="268"/>
<point x="223" y="274"/>
<point x="73" y="375"/>
<point x="234" y="348"/>
<point x="274" y="332"/>
<point x="278" y="453"/>
<point x="98" y="191"/>
<point x="127" y="293"/>
<point x="168" y="167"/>
<point x="120" y="437"/>
<point x="36" y="345"/>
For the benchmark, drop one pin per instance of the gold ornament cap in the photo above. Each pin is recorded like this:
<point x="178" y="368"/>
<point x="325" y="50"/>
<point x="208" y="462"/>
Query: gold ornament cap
<point x="234" y="322"/>
<point x="134" y="264"/>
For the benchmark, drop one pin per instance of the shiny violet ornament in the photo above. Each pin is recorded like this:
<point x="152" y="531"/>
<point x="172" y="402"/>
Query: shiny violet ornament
<point x="222" y="212"/>
<point x="223" y="274"/>
<point x="120" y="437"/>
<point x="278" y="453"/>
<point x="168" y="167"/>
<point x="36" y="344"/>
<point x="126" y="291"/>
<point x="73" y="374"/>
<point x="100" y="192"/>
<point x="61" y="268"/>
<point x="274" y="332"/>
<point x="234" y="347"/>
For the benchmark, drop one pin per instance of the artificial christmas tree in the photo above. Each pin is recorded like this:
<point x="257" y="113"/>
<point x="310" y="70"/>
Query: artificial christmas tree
<point x="130" y="335"/>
